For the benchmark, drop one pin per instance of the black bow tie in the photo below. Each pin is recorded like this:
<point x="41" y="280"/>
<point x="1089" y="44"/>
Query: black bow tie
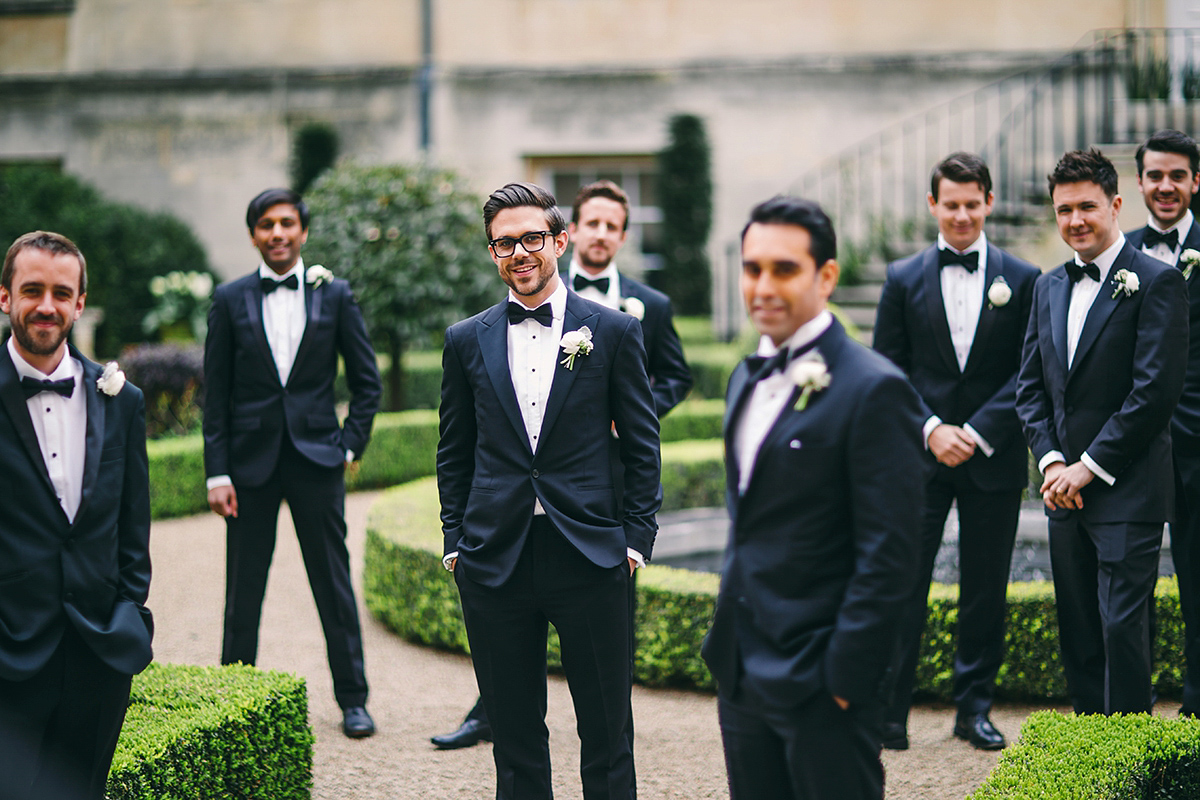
<point x="949" y="258"/>
<point x="600" y="284"/>
<point x="1153" y="238"/>
<point x="32" y="386"/>
<point x="1076" y="272"/>
<point x="518" y="313"/>
<point x="270" y="284"/>
<point x="764" y="366"/>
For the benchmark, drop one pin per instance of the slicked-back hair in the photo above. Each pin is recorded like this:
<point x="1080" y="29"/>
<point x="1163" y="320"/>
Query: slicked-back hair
<point x="1085" y="166"/>
<point x="785" y="210"/>
<point x="605" y="189"/>
<point x="961" y="167"/>
<point x="516" y="195"/>
<point x="1170" y="141"/>
<point x="273" y="197"/>
<point x="48" y="242"/>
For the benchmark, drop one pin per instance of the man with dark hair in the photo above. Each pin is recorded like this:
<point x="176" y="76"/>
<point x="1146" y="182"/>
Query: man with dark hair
<point x="953" y="317"/>
<point x="598" y="227"/>
<point x="535" y="532"/>
<point x="825" y="486"/>
<point x="75" y="543"/>
<point x="1168" y="178"/>
<point x="1101" y="372"/>
<point x="271" y="433"/>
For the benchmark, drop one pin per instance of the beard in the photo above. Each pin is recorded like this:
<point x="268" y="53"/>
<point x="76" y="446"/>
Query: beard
<point x="37" y="343"/>
<point x="591" y="263"/>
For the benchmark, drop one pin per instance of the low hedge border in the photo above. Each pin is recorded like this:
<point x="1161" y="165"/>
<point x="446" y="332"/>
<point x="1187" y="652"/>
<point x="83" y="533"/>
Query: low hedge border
<point x="1095" y="757"/>
<point x="406" y="588"/>
<point x="214" y="732"/>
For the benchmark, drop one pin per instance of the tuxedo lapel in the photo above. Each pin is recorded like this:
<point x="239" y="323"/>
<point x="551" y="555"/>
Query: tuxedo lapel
<point x="935" y="308"/>
<point x="94" y="441"/>
<point x="13" y="399"/>
<point x="491" y="332"/>
<point x="312" y="301"/>
<point x="1102" y="308"/>
<point x="987" y="315"/>
<point x="1059" y="292"/>
<point x="564" y="378"/>
<point x="740" y="390"/>
<point x="253" y="299"/>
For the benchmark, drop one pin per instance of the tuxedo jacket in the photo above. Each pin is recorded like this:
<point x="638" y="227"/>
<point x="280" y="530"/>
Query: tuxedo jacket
<point x="670" y="378"/>
<point x="247" y="408"/>
<point x="823" y="544"/>
<point x="1116" y="400"/>
<point x="1185" y="423"/>
<point x="93" y="574"/>
<point x="911" y="329"/>
<point x="489" y="478"/>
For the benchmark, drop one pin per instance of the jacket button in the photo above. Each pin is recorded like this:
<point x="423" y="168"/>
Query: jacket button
<point x="536" y="474"/>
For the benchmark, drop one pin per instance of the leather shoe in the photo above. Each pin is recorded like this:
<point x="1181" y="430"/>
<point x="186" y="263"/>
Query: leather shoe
<point x="979" y="731"/>
<point x="357" y="723"/>
<point x="469" y="734"/>
<point x="893" y="736"/>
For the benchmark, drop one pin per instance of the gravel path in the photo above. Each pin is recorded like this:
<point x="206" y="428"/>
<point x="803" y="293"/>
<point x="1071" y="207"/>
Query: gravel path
<point x="417" y="692"/>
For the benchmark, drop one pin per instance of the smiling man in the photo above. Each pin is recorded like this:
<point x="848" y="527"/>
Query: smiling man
<point x="1101" y="372"/>
<point x="953" y="318"/>
<point x="825" y="480"/>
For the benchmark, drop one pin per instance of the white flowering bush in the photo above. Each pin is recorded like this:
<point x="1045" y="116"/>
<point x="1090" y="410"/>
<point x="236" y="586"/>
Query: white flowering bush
<point x="181" y="301"/>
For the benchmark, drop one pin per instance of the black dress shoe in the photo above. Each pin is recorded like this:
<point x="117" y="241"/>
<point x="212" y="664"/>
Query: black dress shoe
<point x="893" y="736"/>
<point x="979" y="731"/>
<point x="469" y="734"/>
<point x="357" y="723"/>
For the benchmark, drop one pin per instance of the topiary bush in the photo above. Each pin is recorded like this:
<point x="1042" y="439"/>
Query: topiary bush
<point x="172" y="378"/>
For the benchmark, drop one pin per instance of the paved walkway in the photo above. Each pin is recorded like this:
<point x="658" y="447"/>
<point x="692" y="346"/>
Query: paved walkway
<point x="416" y="692"/>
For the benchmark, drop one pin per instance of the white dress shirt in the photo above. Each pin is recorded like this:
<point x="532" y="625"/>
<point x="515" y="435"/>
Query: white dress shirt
<point x="962" y="297"/>
<point x="769" y="398"/>
<point x="284" y="317"/>
<point x="1083" y="295"/>
<point x="612" y="298"/>
<point x="61" y="427"/>
<point x="1161" y="251"/>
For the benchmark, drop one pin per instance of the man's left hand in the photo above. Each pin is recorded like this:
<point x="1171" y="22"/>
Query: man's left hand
<point x="1061" y="490"/>
<point x="632" y="565"/>
<point x="842" y="702"/>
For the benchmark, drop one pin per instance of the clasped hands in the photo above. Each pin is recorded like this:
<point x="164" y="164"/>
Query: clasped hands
<point x="1062" y="484"/>
<point x="951" y="445"/>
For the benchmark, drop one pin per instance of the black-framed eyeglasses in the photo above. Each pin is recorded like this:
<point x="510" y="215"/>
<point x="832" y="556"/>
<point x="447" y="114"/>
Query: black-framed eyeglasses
<point x="533" y="241"/>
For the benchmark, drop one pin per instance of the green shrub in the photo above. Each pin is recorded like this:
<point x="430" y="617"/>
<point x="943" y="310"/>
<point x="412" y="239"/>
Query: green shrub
<point x="1120" y="757"/>
<point x="213" y="732"/>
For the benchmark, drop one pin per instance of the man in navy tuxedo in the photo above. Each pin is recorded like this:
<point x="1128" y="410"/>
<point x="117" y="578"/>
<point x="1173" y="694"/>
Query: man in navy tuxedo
<point x="599" y="227"/>
<point x="271" y="433"/>
<point x="1168" y="165"/>
<point x="75" y="542"/>
<point x="532" y="390"/>
<point x="1102" y="369"/>
<point x="825" y="481"/>
<point x="953" y="317"/>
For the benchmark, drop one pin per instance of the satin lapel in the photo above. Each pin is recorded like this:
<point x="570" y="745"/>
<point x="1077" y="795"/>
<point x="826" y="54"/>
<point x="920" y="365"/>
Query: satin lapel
<point x="987" y="316"/>
<point x="13" y="400"/>
<point x="253" y="298"/>
<point x="1102" y="308"/>
<point x="564" y="378"/>
<point x="1060" y="301"/>
<point x="312" y="301"/>
<point x="935" y="308"/>
<point x="97" y="405"/>
<point x="739" y="392"/>
<point x="491" y="332"/>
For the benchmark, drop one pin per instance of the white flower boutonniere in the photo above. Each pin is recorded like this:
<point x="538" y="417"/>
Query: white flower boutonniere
<point x="999" y="293"/>
<point x="1126" y="282"/>
<point x="111" y="380"/>
<point x="810" y="374"/>
<point x="1191" y="258"/>
<point x="575" y="343"/>
<point x="317" y="275"/>
<point x="633" y="307"/>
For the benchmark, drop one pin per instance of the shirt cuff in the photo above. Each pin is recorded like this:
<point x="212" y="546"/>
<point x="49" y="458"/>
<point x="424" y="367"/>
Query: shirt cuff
<point x="446" y="559"/>
<point x="979" y="440"/>
<point x="1096" y="469"/>
<point x="349" y="456"/>
<point x="217" y="481"/>
<point x="1049" y="459"/>
<point x="927" y="431"/>
<point x="637" y="557"/>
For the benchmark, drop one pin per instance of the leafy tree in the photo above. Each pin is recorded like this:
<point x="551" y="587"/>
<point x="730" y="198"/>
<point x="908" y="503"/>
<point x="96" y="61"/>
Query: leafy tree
<point x="125" y="247"/>
<point x="685" y="191"/>
<point x="410" y="240"/>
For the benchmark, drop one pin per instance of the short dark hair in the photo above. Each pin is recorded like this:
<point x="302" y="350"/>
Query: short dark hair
<point x="961" y="167"/>
<point x="273" y="197"/>
<point x="605" y="189"/>
<point x="516" y="195"/>
<point x="1085" y="166"/>
<point x="48" y="242"/>
<point x="1170" y="141"/>
<point x="785" y="210"/>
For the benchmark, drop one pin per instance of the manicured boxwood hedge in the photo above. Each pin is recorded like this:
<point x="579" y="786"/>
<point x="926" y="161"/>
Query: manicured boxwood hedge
<point x="1094" y="757"/>
<point x="230" y="732"/>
